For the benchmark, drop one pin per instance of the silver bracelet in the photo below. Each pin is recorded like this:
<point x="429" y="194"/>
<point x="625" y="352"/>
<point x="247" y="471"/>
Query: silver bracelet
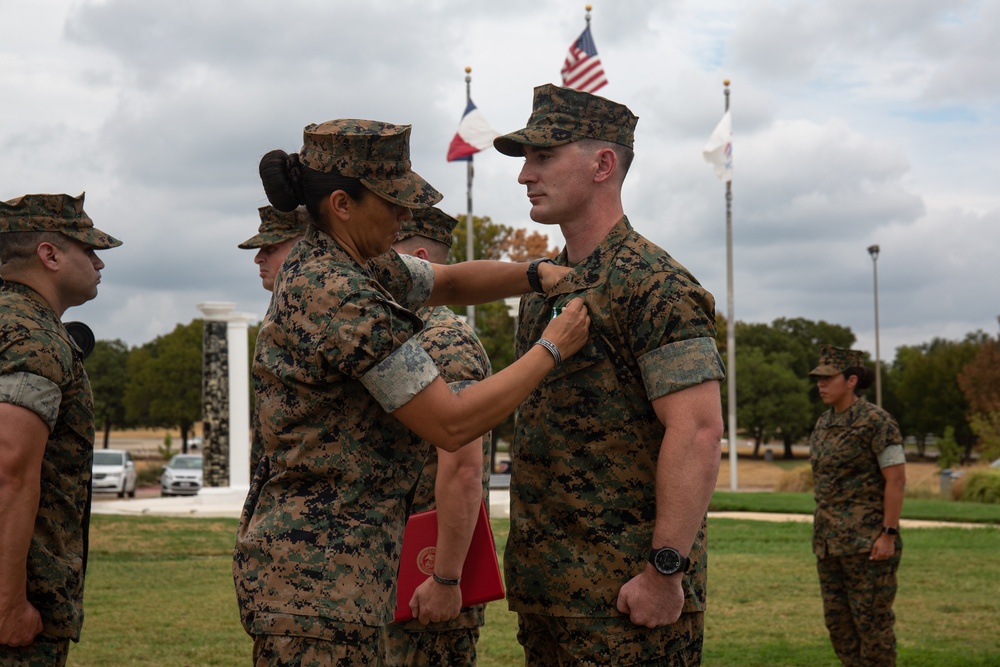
<point x="551" y="347"/>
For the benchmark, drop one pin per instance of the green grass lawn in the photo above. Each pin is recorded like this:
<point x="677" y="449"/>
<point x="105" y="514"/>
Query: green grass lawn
<point x="160" y="592"/>
<point x="802" y="503"/>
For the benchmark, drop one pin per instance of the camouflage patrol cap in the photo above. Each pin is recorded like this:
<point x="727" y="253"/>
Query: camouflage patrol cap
<point x="562" y="115"/>
<point x="376" y="153"/>
<point x="53" y="213"/>
<point x="836" y="360"/>
<point x="277" y="226"/>
<point x="431" y="223"/>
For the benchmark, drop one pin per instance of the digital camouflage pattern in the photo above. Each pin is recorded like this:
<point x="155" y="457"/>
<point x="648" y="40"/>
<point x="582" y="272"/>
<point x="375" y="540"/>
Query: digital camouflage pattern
<point x="37" y="354"/>
<point x="431" y="223"/>
<point x="615" y="642"/>
<point x="277" y="226"/>
<point x="40" y="653"/>
<point x="430" y="648"/>
<point x="562" y="115"/>
<point x="53" y="213"/>
<point x="459" y="355"/>
<point x="408" y="279"/>
<point x="847" y="452"/>
<point x="377" y="153"/>
<point x="587" y="439"/>
<point x="349" y="646"/>
<point x="836" y="360"/>
<point x="857" y="607"/>
<point x="319" y="536"/>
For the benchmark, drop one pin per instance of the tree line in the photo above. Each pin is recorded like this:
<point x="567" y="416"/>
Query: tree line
<point x="936" y="389"/>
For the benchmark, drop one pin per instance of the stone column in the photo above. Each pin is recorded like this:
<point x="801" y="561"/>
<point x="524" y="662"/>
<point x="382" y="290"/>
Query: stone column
<point x="239" y="401"/>
<point x="225" y="397"/>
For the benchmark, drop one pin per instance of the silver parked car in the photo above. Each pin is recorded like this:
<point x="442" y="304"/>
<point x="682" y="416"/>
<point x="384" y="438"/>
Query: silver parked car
<point x="182" y="476"/>
<point x="114" y="471"/>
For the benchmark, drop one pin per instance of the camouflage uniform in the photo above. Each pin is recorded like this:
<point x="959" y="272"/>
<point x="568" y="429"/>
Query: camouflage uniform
<point x="460" y="357"/>
<point x="275" y="227"/>
<point x="317" y="549"/>
<point x="847" y="452"/>
<point x="586" y="443"/>
<point x="41" y="369"/>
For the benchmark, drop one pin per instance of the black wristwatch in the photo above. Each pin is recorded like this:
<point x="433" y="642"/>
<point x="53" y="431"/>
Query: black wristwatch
<point x="889" y="530"/>
<point x="533" y="280"/>
<point x="668" y="560"/>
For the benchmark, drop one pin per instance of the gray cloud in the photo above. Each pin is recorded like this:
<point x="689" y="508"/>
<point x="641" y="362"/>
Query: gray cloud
<point x="854" y="124"/>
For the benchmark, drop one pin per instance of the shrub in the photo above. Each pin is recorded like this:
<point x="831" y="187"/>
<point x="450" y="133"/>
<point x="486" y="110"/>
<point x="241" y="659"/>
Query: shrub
<point x="797" y="480"/>
<point x="166" y="449"/>
<point x="950" y="451"/>
<point x="982" y="486"/>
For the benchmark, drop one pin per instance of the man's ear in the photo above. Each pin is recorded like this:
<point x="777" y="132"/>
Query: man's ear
<point x="422" y="254"/>
<point x="49" y="255"/>
<point x="607" y="161"/>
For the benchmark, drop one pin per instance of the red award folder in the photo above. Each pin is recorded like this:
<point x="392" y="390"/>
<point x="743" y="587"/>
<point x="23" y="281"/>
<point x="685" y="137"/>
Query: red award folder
<point x="480" y="575"/>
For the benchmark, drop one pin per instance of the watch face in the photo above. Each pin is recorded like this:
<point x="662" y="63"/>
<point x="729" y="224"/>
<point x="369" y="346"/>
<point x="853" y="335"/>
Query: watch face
<point x="667" y="561"/>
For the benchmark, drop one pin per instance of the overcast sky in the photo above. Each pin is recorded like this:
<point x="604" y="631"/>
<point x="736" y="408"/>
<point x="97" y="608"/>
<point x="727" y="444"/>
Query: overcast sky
<point x="855" y="123"/>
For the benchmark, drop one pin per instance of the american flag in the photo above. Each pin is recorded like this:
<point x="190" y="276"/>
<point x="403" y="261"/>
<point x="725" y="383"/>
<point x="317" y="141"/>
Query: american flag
<point x="582" y="69"/>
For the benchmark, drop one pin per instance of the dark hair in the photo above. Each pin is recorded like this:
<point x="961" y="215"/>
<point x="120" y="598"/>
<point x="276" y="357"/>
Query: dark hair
<point x="624" y="154"/>
<point x="865" y="378"/>
<point x="289" y="184"/>
<point x="17" y="246"/>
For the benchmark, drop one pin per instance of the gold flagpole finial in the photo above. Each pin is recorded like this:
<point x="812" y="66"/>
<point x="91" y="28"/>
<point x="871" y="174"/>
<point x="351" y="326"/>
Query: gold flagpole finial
<point x="468" y="69"/>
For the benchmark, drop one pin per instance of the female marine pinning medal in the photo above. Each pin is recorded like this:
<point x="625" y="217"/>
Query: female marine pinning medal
<point x="345" y="394"/>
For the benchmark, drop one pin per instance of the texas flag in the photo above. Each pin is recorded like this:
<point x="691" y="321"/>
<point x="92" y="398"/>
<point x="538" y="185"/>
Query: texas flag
<point x="474" y="134"/>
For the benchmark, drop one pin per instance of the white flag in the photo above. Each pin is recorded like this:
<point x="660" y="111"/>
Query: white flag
<point x="718" y="152"/>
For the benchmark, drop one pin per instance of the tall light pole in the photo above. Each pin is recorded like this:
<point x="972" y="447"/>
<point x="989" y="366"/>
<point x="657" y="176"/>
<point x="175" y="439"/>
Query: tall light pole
<point x="873" y="251"/>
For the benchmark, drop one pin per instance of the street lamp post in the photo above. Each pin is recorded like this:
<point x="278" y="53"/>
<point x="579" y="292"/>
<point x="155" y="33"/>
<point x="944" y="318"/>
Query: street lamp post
<point x="873" y="251"/>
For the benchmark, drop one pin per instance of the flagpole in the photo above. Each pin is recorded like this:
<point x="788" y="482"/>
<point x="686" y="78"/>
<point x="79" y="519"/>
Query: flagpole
<point x="730" y="324"/>
<point x="470" y="253"/>
<point x="588" y="15"/>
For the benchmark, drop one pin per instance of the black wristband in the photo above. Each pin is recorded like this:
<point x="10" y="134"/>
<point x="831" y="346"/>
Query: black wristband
<point x="446" y="582"/>
<point x="533" y="280"/>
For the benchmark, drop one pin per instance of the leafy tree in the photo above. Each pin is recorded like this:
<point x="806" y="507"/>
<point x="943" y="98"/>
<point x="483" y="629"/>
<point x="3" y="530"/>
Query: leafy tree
<point x="495" y="241"/>
<point x="164" y="381"/>
<point x="928" y="389"/>
<point x="793" y="345"/>
<point x="772" y="400"/>
<point x="980" y="378"/>
<point x="980" y="384"/>
<point x="107" y="368"/>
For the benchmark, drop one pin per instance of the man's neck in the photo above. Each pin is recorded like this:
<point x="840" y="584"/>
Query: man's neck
<point x="584" y="236"/>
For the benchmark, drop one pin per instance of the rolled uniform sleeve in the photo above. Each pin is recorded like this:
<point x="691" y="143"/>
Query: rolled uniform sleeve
<point x="371" y="340"/>
<point x="680" y="365"/>
<point x="401" y="376"/>
<point x="33" y="392"/>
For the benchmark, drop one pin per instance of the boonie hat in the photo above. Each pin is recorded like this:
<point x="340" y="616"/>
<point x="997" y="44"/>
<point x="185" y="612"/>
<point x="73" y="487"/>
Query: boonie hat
<point x="277" y="226"/>
<point x="376" y="153"/>
<point x="836" y="360"/>
<point x="54" y="213"/>
<point x="562" y="115"/>
<point x="431" y="223"/>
